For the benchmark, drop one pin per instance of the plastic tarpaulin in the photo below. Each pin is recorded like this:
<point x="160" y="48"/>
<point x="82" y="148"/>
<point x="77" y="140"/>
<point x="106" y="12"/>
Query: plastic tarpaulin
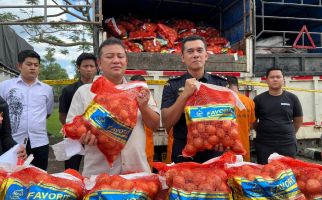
<point x="10" y="45"/>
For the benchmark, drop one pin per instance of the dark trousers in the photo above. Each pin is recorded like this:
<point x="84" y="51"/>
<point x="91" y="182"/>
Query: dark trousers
<point x="40" y="155"/>
<point x="200" y="157"/>
<point x="263" y="151"/>
<point x="73" y="162"/>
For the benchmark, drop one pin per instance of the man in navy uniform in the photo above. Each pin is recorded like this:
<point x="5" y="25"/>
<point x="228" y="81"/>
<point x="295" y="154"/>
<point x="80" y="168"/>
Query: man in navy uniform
<point x="178" y="90"/>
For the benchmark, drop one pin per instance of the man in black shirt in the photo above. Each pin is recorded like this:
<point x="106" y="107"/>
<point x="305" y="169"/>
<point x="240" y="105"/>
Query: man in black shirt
<point x="178" y="90"/>
<point x="87" y="68"/>
<point x="279" y="116"/>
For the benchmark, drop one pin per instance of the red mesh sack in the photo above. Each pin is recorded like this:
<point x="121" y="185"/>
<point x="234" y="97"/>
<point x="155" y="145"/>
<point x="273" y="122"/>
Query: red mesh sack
<point x="215" y="49"/>
<point x="151" y="45"/>
<point x="142" y="35"/>
<point x="127" y="25"/>
<point x="184" y="34"/>
<point x="34" y="183"/>
<point x="182" y="24"/>
<point x="308" y="175"/>
<point x="211" y="120"/>
<point x="214" y="41"/>
<point x="131" y="46"/>
<point x="111" y="116"/>
<point x="201" y="181"/>
<point x="168" y="34"/>
<point x="212" y="32"/>
<point x="116" y="29"/>
<point x="131" y="186"/>
<point x="149" y="27"/>
<point x="252" y="181"/>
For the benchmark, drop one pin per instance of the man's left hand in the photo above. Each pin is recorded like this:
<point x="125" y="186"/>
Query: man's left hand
<point x="22" y="152"/>
<point x="143" y="98"/>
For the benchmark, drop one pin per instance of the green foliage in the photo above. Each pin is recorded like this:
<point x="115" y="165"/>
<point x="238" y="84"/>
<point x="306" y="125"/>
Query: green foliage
<point x="53" y="124"/>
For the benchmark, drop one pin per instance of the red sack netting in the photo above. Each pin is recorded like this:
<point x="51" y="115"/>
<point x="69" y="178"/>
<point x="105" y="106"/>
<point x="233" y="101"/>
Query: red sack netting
<point x="211" y="120"/>
<point x="131" y="186"/>
<point x="168" y="34"/>
<point x="151" y="45"/>
<point x="33" y="183"/>
<point x="132" y="47"/>
<point x="252" y="181"/>
<point x="111" y="116"/>
<point x="308" y="175"/>
<point x="116" y="29"/>
<point x="194" y="180"/>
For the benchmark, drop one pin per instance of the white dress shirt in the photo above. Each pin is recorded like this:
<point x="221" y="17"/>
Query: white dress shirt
<point x="131" y="159"/>
<point x="29" y="106"/>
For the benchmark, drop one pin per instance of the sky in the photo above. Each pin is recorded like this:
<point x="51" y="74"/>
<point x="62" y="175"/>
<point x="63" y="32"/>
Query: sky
<point x="63" y="60"/>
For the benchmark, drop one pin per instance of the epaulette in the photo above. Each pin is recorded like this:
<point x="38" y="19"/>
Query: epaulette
<point x="173" y="78"/>
<point x="219" y="76"/>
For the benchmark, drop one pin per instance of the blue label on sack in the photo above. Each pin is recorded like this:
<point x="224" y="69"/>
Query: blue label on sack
<point x="14" y="189"/>
<point x="101" y="118"/>
<point x="177" y="194"/>
<point x="17" y="191"/>
<point x="283" y="187"/>
<point x="117" y="195"/>
<point x="49" y="192"/>
<point x="211" y="112"/>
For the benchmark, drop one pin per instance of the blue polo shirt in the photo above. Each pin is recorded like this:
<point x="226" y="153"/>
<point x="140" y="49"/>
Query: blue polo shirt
<point x="170" y="94"/>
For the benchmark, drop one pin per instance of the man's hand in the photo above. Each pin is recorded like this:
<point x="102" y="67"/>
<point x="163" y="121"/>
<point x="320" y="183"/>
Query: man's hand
<point x="22" y="152"/>
<point x="88" y="139"/>
<point x="143" y="98"/>
<point x="189" y="87"/>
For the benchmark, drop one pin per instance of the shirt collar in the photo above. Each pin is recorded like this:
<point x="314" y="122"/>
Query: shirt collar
<point x="205" y="78"/>
<point x="19" y="80"/>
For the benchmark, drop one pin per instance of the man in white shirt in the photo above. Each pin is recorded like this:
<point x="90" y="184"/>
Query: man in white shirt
<point x="112" y="61"/>
<point x="30" y="103"/>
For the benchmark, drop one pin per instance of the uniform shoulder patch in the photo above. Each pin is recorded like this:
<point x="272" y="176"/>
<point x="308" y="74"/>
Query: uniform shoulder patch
<point x="219" y="76"/>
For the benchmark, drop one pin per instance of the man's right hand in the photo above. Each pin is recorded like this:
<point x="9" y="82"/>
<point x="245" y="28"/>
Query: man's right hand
<point x="88" y="139"/>
<point x="189" y="87"/>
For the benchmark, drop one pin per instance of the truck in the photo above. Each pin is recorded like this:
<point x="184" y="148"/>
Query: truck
<point x="10" y="45"/>
<point x="244" y="23"/>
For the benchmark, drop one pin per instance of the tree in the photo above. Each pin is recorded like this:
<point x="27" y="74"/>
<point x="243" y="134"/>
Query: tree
<point x="70" y="26"/>
<point x="51" y="70"/>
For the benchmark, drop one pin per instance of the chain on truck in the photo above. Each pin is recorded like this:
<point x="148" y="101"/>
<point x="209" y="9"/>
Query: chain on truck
<point x="257" y="28"/>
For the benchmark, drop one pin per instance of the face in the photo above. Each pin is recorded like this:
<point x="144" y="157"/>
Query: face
<point x="194" y="55"/>
<point x="87" y="69"/>
<point x="275" y="80"/>
<point x="113" y="61"/>
<point x="29" y="69"/>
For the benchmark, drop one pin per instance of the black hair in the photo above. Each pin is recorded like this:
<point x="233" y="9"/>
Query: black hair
<point x="232" y="80"/>
<point x="85" y="56"/>
<point x="22" y="55"/>
<point x="137" y="78"/>
<point x="273" y="69"/>
<point x="111" y="41"/>
<point x="193" y="38"/>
